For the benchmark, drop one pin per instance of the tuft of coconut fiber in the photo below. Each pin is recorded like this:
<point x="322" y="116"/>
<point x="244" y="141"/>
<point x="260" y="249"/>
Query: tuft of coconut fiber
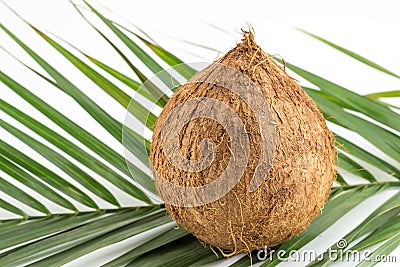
<point x="298" y="182"/>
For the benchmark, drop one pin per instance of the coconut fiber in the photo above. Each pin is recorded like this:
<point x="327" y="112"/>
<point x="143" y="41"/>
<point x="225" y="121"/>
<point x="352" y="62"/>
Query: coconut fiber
<point x="296" y="186"/>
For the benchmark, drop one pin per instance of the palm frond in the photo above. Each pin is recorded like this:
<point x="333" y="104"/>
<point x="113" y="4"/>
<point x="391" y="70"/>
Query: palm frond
<point x="395" y="93"/>
<point x="58" y="238"/>
<point x="352" y="54"/>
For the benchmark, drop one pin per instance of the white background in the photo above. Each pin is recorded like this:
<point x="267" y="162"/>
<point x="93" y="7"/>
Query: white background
<point x="370" y="28"/>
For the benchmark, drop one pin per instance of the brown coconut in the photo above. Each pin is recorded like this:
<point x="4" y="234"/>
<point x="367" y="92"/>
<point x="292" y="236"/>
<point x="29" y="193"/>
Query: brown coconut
<point x="296" y="186"/>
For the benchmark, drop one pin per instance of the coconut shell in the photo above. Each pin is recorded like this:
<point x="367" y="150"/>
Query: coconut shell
<point x="297" y="184"/>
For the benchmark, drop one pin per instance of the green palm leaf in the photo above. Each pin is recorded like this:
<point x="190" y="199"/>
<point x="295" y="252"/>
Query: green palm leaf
<point x="351" y="166"/>
<point x="20" y="195"/>
<point x="352" y="54"/>
<point x="385" y="214"/>
<point x="54" y="239"/>
<point x="11" y="208"/>
<point x="45" y="174"/>
<point x="67" y="166"/>
<point x="151" y="245"/>
<point x="384" y="94"/>
<point x="141" y="113"/>
<point x="74" y="151"/>
<point x="159" y="97"/>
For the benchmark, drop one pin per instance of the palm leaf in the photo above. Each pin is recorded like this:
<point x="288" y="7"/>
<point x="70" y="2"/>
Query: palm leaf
<point x="84" y="136"/>
<point x="130" y="82"/>
<point x="11" y="208"/>
<point x="385" y="140"/>
<point x="25" y="178"/>
<point x="45" y="174"/>
<point x="20" y="195"/>
<point x="159" y="97"/>
<point x="351" y="166"/>
<point x="67" y="166"/>
<point x="55" y="239"/>
<point x="351" y="100"/>
<point x="352" y="54"/>
<point x="391" y="244"/>
<point x="151" y="245"/>
<point x="182" y="252"/>
<point x="110" y="124"/>
<point x="140" y="112"/>
<point x="383" y="215"/>
<point x="74" y="232"/>
<point x="341" y="202"/>
<point x="137" y="50"/>
<point x="72" y="150"/>
<point x="113" y="233"/>
<point x="384" y="94"/>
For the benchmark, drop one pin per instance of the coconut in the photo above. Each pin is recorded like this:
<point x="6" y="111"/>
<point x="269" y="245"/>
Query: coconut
<point x="293" y="188"/>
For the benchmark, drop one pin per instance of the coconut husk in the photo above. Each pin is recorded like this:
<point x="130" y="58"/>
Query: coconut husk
<point x="298" y="182"/>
